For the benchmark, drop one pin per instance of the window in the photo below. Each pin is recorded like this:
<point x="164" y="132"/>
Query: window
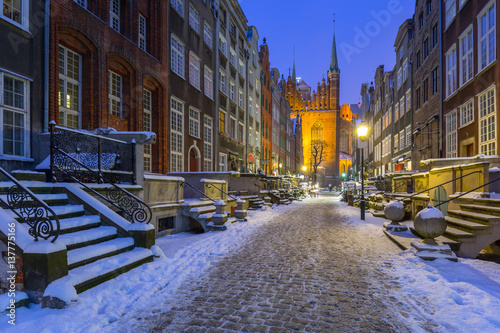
<point x="426" y="90"/>
<point x="425" y="47"/>
<point x="240" y="132"/>
<point x="408" y="100"/>
<point x="232" y="57"/>
<point x="176" y="135"/>
<point x="408" y="135"/>
<point x="250" y="106"/>
<point x="222" y="122"/>
<point x="417" y="98"/>
<point x="209" y="82"/>
<point x="241" y="68"/>
<point x="396" y="112"/>
<point x="435" y="81"/>
<point x="82" y="3"/>
<point x="142" y="32"/>
<point x="486" y="24"/>
<point x="466" y="57"/>
<point x="222" y="83"/>
<point x="257" y="112"/>
<point x="194" y="70"/>
<point x="451" y="71"/>
<point x="207" y="144"/>
<point x="417" y="59"/>
<point x="232" y="127"/>
<point x="241" y="100"/>
<point x="451" y="134"/>
<point x="14" y="111"/>
<point x="462" y="3"/>
<point x="396" y="142"/>
<point x="69" y="88"/>
<point x="435" y="35"/>
<point x="194" y="122"/>
<point x="429" y="7"/>
<point x="405" y="70"/>
<point x="16" y="11"/>
<point x="487" y="123"/>
<point x="344" y="141"/>
<point x="402" y="139"/>
<point x="177" y="56"/>
<point x="451" y="11"/>
<point x="147" y="103"/>
<point x="194" y="19"/>
<point x="421" y="21"/>
<point x="222" y="162"/>
<point x="250" y="136"/>
<point x="400" y="77"/>
<point x="178" y="5"/>
<point x="223" y="45"/>
<point x="467" y="113"/>
<point x="208" y="35"/>
<point x="232" y="91"/>
<point x="115" y="94"/>
<point x="114" y="14"/>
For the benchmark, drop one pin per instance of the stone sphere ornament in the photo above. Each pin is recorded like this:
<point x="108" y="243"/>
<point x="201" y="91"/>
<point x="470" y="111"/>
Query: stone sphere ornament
<point x="395" y="211"/>
<point x="430" y="222"/>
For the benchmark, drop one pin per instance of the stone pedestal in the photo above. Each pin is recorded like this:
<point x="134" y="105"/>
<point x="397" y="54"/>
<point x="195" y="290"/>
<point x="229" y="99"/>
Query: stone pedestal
<point x="395" y="211"/>
<point x="143" y="234"/>
<point x="240" y="213"/>
<point x="220" y="217"/>
<point x="429" y="249"/>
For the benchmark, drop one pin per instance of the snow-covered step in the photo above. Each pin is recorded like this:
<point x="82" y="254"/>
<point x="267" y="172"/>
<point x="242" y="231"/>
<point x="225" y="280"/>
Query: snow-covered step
<point x="87" y="237"/>
<point x="202" y="210"/>
<point x="206" y="216"/>
<point x="88" y="276"/>
<point x="78" y="223"/>
<point x="473" y="216"/>
<point x="458" y="234"/>
<point x="466" y="224"/>
<point x="49" y="199"/>
<point x="87" y="254"/>
<point x="196" y="203"/>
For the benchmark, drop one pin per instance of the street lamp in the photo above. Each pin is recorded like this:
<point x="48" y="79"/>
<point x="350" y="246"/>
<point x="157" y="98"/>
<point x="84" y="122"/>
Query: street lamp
<point x="362" y="135"/>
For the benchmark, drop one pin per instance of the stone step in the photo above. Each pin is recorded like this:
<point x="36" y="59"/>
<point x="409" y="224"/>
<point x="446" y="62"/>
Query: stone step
<point x="79" y="223"/>
<point x="88" y="237"/>
<point x="459" y="235"/>
<point x="454" y="245"/>
<point x="51" y="199"/>
<point x="85" y="255"/>
<point x="201" y="210"/>
<point x="473" y="216"/>
<point x="62" y="212"/>
<point x="487" y="210"/>
<point x="196" y="203"/>
<point x="481" y="201"/>
<point x="35" y="187"/>
<point x="465" y="225"/>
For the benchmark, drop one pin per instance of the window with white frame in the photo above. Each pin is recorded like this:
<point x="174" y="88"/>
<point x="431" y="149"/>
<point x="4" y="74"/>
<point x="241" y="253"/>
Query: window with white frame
<point x="232" y="127"/>
<point x="467" y="113"/>
<point x="450" y="10"/>
<point x="232" y="90"/>
<point x="142" y="32"/>
<point x="114" y="14"/>
<point x="396" y="112"/>
<point x="69" y="88"/>
<point x="241" y="68"/>
<point x="177" y="56"/>
<point x="115" y="94"/>
<point x="250" y="106"/>
<point x="408" y="135"/>
<point x="250" y="77"/>
<point x="370" y="145"/>
<point x="222" y="82"/>
<point x="405" y="70"/>
<point x="147" y="120"/>
<point x="462" y="3"/>
<point x="487" y="122"/>
<point x="194" y="70"/>
<point x="466" y="56"/>
<point x="408" y="100"/>
<point x="194" y="122"/>
<point x="257" y="136"/>
<point x="400" y="77"/>
<point x="82" y="3"/>
<point x="176" y="135"/>
<point x="241" y="99"/>
<point x="451" y="134"/>
<point x="402" y="105"/>
<point x="194" y="19"/>
<point x="178" y="5"/>
<point x="223" y="45"/>
<point x="396" y="142"/>
<point x="487" y="40"/>
<point x="207" y="143"/>
<point x="250" y="136"/>
<point x="257" y="112"/>
<point x="451" y="71"/>
<point x="16" y="11"/>
<point x="240" y="134"/>
<point x="401" y="139"/>
<point x="222" y="162"/>
<point x="14" y="115"/>
<point x="209" y="82"/>
<point x="232" y="57"/>
<point x="208" y="35"/>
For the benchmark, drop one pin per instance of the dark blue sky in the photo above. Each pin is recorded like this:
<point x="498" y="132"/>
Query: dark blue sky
<point x="365" y="34"/>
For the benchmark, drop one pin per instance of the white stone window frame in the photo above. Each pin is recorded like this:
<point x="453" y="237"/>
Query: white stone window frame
<point x="208" y="35"/>
<point x="194" y="122"/>
<point x="408" y="135"/>
<point x="194" y="19"/>
<point x="24" y="17"/>
<point x="115" y="93"/>
<point x="223" y="82"/>
<point x="466" y="55"/>
<point x="487" y="121"/>
<point x="396" y="142"/>
<point x="142" y="32"/>
<point x="405" y="69"/>
<point x="232" y="57"/>
<point x="178" y="5"/>
<point x="451" y="70"/>
<point x="208" y="82"/>
<point x="176" y="134"/>
<point x="400" y="77"/>
<point x="240" y="135"/>
<point x="241" y="68"/>
<point x="451" y="134"/>
<point x="467" y="113"/>
<point x="402" y="139"/>
<point x="24" y="111"/>
<point x="450" y="8"/>
<point x="207" y="143"/>
<point x="223" y="44"/>
<point x="114" y="14"/>
<point x="250" y="106"/>
<point x="490" y="51"/>
<point x="69" y="80"/>
<point x="396" y="112"/>
<point x="222" y="162"/>
<point x="194" y="70"/>
<point x="147" y="125"/>
<point x="232" y="90"/>
<point x="233" y="127"/>
<point x="177" y="55"/>
<point x="408" y="100"/>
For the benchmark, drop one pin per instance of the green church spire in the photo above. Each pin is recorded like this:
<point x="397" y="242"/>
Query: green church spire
<point x="334" y="64"/>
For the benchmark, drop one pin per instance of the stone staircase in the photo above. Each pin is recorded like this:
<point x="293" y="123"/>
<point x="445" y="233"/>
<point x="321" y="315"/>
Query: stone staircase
<point x="203" y="211"/>
<point x="255" y="202"/>
<point x="96" y="252"/>
<point x="472" y="227"/>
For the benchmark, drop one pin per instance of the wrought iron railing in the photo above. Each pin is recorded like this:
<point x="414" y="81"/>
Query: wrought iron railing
<point x="408" y="183"/>
<point x="208" y="185"/>
<point x="41" y="219"/>
<point x="101" y="155"/>
<point x="184" y="184"/>
<point x="470" y="191"/>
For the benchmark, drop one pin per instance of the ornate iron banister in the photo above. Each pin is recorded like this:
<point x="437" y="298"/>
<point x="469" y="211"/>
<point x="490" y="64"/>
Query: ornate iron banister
<point x="211" y="185"/>
<point x="135" y="209"/>
<point x="403" y="184"/>
<point x="184" y="184"/>
<point x="431" y="188"/>
<point x="465" y="193"/>
<point x="31" y="210"/>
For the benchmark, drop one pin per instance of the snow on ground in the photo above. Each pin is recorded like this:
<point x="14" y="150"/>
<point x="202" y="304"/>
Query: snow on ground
<point x="461" y="296"/>
<point x="185" y="256"/>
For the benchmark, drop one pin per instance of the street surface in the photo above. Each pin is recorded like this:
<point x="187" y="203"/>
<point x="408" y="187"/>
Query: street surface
<point x="307" y="270"/>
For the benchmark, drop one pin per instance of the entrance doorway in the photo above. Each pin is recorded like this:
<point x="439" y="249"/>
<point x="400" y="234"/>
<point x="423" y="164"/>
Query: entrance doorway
<point x="194" y="160"/>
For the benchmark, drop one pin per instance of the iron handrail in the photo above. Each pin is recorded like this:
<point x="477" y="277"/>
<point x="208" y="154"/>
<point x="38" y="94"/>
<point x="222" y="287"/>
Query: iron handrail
<point x="461" y="195"/>
<point x="401" y="185"/>
<point x="431" y="188"/>
<point x="136" y="209"/>
<point x="211" y="185"/>
<point x="184" y="184"/>
<point x="31" y="210"/>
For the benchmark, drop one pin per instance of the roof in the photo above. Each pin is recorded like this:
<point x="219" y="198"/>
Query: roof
<point x="303" y="84"/>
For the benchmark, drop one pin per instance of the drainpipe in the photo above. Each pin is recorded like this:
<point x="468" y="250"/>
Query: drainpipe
<point x="440" y="82"/>
<point x="247" y="119"/>
<point x="46" y="68"/>
<point x="411" y="118"/>
<point x="215" y="129"/>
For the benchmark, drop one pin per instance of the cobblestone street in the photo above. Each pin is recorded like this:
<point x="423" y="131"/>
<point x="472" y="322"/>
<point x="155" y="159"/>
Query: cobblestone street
<point x="308" y="270"/>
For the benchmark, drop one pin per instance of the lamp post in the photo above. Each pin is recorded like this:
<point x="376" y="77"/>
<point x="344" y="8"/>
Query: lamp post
<point x="362" y="135"/>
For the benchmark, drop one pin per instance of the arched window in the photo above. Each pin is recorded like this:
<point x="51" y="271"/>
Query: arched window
<point x="344" y="141"/>
<point x="317" y="132"/>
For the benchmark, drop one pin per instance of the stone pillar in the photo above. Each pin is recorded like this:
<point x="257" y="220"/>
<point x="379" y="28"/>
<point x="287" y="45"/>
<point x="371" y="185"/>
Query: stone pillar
<point x="220" y="217"/>
<point x="240" y="213"/>
<point x="44" y="262"/>
<point x="143" y="233"/>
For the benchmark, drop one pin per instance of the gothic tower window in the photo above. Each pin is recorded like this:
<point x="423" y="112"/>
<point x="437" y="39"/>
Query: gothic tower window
<point x="344" y="141"/>
<point x="317" y="132"/>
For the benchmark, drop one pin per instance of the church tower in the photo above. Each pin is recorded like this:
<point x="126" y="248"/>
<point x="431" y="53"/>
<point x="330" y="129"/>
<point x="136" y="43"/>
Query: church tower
<point x="334" y="76"/>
